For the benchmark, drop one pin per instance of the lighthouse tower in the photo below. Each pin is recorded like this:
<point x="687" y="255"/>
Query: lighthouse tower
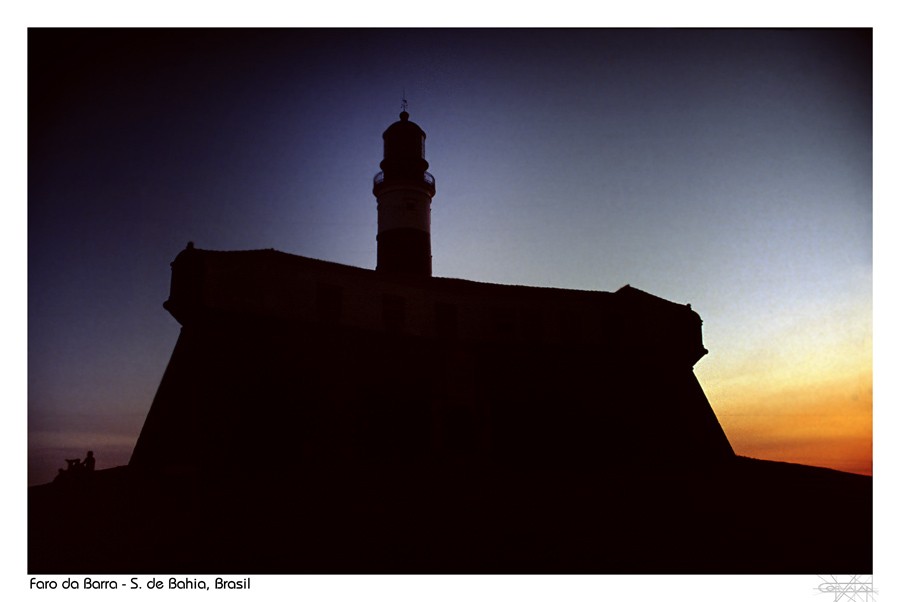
<point x="404" y="190"/>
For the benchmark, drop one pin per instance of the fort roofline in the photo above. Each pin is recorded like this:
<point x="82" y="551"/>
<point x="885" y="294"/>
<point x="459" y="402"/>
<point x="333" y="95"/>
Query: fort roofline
<point x="279" y="287"/>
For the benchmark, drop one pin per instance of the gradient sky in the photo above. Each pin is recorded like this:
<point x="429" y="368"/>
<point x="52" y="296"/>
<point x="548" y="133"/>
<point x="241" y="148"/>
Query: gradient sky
<point x="729" y="169"/>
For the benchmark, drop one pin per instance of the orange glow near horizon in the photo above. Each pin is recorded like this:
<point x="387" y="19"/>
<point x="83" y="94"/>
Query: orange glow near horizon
<point x="801" y="395"/>
<point x="831" y="427"/>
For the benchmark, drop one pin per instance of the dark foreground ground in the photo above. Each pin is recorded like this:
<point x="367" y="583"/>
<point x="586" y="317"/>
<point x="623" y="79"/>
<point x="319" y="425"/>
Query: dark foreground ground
<point x="751" y="517"/>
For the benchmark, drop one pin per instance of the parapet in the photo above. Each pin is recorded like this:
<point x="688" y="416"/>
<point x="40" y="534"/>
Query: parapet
<point x="269" y="286"/>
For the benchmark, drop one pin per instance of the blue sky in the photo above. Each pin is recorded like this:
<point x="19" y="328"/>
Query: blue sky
<point x="729" y="169"/>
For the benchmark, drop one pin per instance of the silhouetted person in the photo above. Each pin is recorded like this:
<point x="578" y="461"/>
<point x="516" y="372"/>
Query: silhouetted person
<point x="61" y="476"/>
<point x="73" y="465"/>
<point x="88" y="463"/>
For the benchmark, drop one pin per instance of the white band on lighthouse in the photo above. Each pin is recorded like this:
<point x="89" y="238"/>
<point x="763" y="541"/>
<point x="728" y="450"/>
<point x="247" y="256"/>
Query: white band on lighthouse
<point x="404" y="208"/>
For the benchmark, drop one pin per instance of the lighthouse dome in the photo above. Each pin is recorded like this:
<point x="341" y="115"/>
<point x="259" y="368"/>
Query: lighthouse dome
<point x="404" y="148"/>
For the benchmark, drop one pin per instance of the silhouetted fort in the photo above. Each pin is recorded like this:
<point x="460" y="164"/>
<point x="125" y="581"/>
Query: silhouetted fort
<point x="316" y="417"/>
<point x="284" y="358"/>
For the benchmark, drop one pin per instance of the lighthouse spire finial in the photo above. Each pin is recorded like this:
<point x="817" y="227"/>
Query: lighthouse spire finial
<point x="403" y="104"/>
